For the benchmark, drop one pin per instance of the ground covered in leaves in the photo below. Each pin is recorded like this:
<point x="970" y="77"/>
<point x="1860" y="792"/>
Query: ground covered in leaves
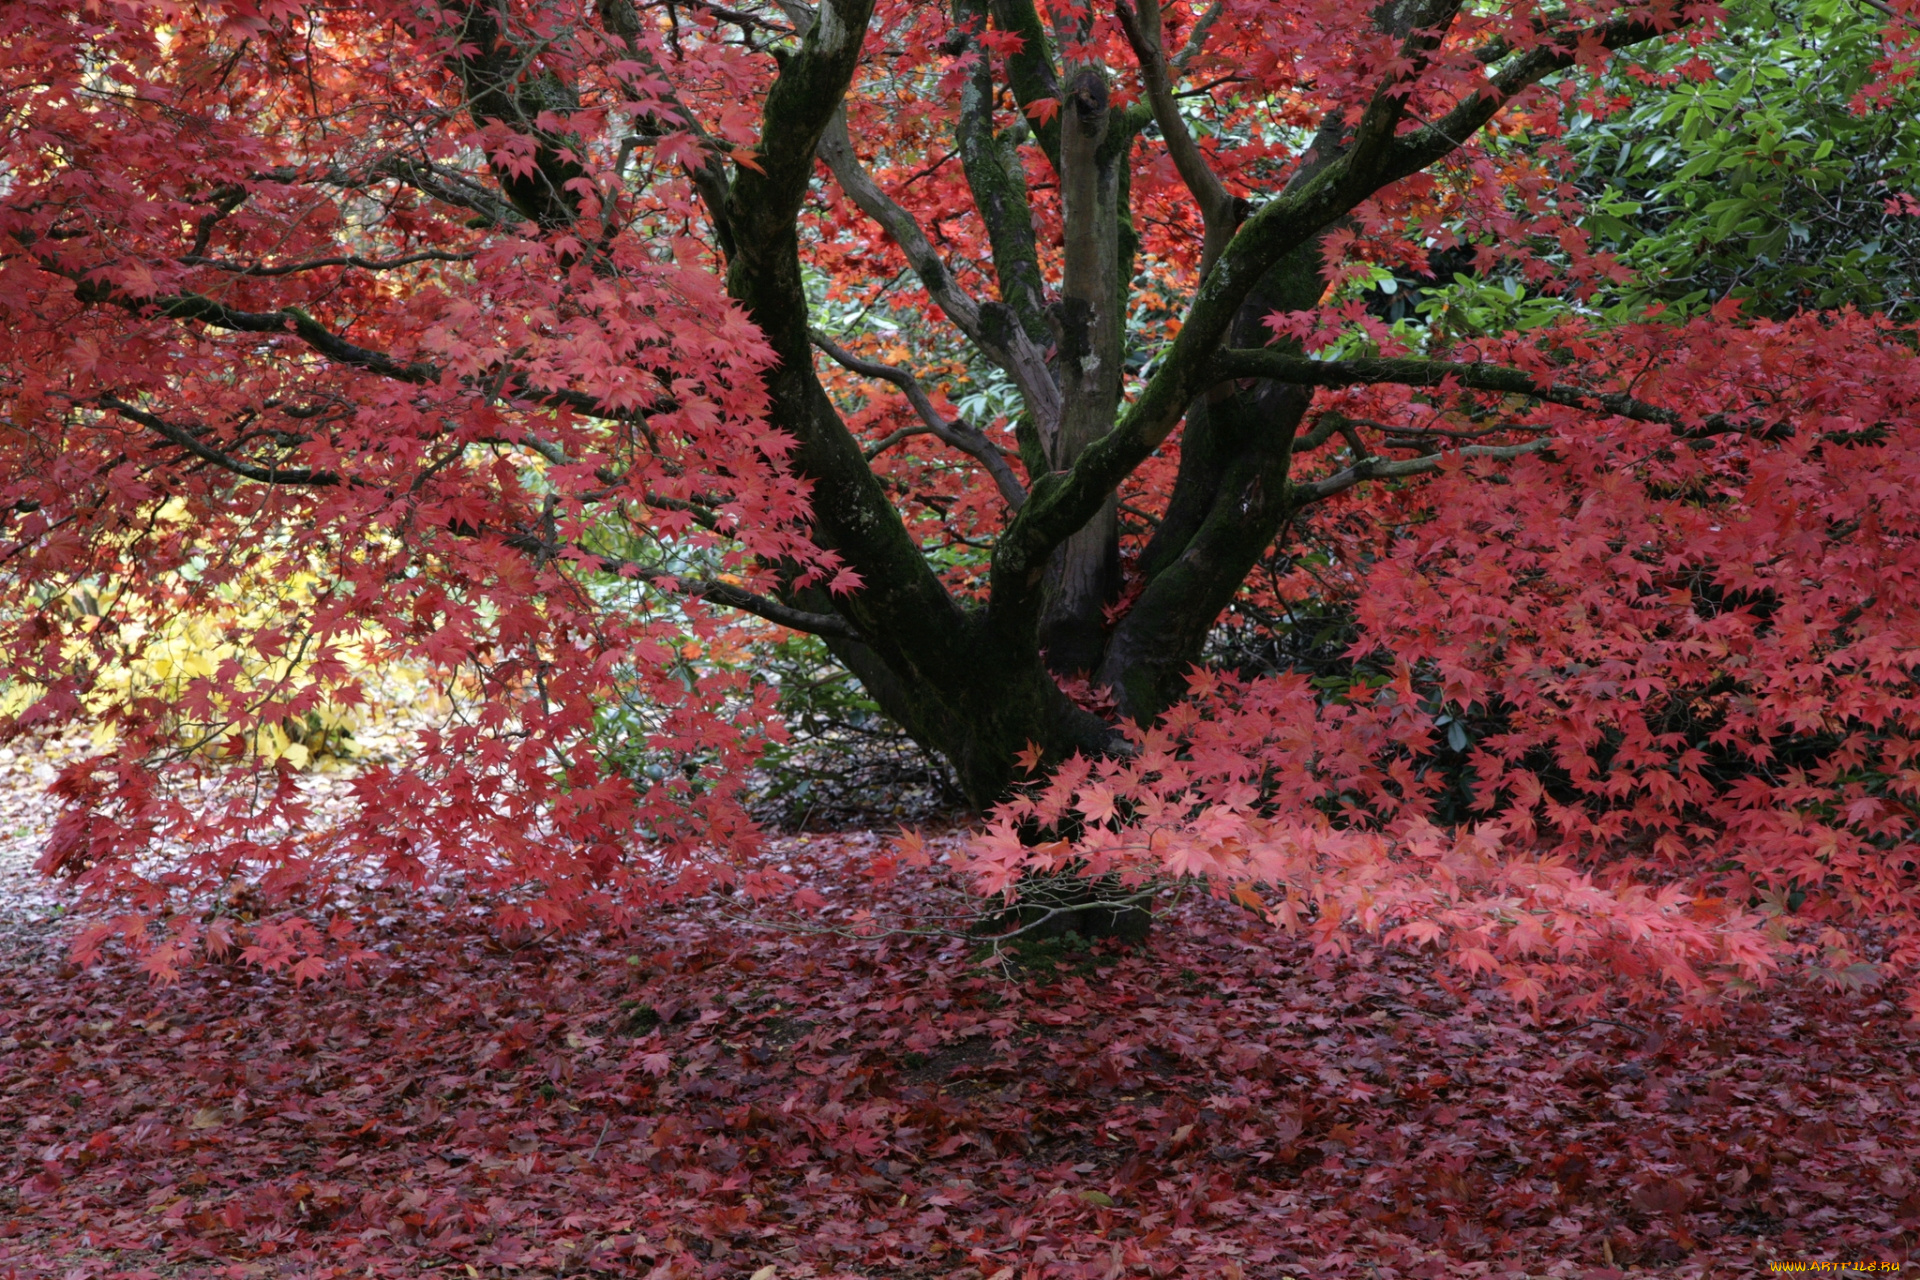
<point x="713" y="1097"/>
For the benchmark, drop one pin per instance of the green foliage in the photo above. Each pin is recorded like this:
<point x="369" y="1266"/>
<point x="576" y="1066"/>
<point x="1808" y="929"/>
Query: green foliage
<point x="636" y="1019"/>
<point x="1769" y="181"/>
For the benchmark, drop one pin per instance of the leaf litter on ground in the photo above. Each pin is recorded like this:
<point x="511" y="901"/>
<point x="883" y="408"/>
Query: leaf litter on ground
<point x="711" y="1096"/>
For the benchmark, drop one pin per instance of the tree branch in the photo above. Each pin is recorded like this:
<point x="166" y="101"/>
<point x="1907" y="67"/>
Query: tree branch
<point x="495" y="66"/>
<point x="1412" y="152"/>
<point x="315" y="264"/>
<point x="819" y="624"/>
<point x="903" y="610"/>
<point x="724" y="593"/>
<point x="836" y="150"/>
<point x="893" y="438"/>
<point x="745" y="21"/>
<point x="1386" y="469"/>
<point x="1145" y="33"/>
<point x="1012" y="349"/>
<point x="961" y="435"/>
<point x="996" y="177"/>
<point x="1197" y="38"/>
<point x="1504" y="379"/>
<point x="705" y="589"/>
<point x="798" y="113"/>
<point x="1030" y="70"/>
<point x="443" y="184"/>
<point x="1342" y="169"/>
<point x="175" y="434"/>
<point x="710" y="178"/>
<point x="295" y="321"/>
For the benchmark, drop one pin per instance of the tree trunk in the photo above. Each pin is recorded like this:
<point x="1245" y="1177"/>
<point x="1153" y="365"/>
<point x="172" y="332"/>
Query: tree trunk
<point x="1083" y="574"/>
<point x="1230" y="498"/>
<point x="976" y="682"/>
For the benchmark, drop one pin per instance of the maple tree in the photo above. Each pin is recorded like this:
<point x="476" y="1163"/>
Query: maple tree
<point x="996" y="345"/>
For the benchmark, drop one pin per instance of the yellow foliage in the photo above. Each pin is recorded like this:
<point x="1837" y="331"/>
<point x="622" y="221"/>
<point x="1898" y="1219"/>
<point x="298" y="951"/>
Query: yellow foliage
<point x="166" y="656"/>
<point x="206" y="659"/>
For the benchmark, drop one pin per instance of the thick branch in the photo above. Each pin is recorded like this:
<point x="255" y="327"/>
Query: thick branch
<point x="1010" y="348"/>
<point x="1089" y="321"/>
<point x="961" y="435"/>
<point x="1145" y="34"/>
<point x="1318" y="196"/>
<point x="996" y="176"/>
<point x="797" y="113"/>
<point x="1030" y="71"/>
<point x="1421" y="31"/>
<point x="494" y="65"/>
<point x="902" y="609"/>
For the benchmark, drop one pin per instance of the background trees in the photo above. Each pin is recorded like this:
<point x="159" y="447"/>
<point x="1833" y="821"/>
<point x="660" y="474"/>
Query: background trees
<point x="1777" y="180"/>
<point x="996" y="346"/>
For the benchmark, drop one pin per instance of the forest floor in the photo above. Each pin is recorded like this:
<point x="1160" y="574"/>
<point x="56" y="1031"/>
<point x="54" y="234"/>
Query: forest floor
<point x="714" y="1096"/>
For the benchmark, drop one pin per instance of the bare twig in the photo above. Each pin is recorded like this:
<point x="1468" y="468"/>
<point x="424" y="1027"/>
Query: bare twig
<point x="1013" y="350"/>
<point x="962" y="436"/>
<point x="594" y="1154"/>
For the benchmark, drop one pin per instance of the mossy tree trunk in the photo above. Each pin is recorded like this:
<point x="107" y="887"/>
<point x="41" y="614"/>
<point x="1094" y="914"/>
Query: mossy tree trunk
<point x="977" y="682"/>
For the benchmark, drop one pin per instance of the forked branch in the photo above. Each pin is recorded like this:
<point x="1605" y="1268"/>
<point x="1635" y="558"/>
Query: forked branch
<point x="961" y="435"/>
<point x="1009" y="347"/>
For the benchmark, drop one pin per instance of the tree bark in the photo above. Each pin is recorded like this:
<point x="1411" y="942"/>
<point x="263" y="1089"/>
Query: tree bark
<point x="1083" y="573"/>
<point x="1230" y="498"/>
<point x="977" y="683"/>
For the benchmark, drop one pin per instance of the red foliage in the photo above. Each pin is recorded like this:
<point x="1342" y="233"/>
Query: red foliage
<point x="267" y="319"/>
<point x="712" y="1097"/>
<point x="1687" y="668"/>
<point x="231" y="162"/>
